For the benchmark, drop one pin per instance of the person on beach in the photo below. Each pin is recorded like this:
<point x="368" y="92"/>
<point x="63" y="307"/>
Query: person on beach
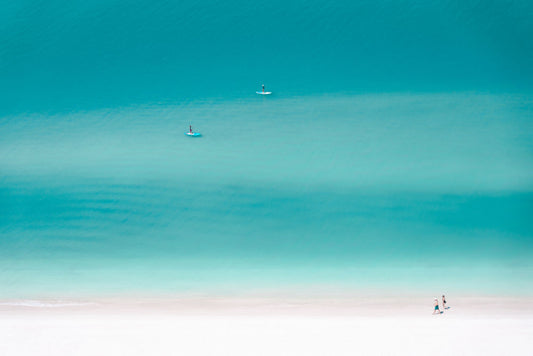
<point x="444" y="302"/>
<point x="436" y="305"/>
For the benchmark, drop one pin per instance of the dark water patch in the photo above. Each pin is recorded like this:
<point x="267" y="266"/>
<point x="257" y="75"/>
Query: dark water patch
<point x="60" y="57"/>
<point x="262" y="222"/>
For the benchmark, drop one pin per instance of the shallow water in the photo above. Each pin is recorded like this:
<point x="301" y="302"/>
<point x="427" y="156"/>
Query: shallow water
<point x="357" y="191"/>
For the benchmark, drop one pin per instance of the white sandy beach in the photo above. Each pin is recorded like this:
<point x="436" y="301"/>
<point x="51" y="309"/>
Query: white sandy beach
<point x="266" y="326"/>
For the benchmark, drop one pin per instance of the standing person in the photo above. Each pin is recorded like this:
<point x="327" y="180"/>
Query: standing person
<point x="263" y="88"/>
<point x="444" y="302"/>
<point x="436" y="305"/>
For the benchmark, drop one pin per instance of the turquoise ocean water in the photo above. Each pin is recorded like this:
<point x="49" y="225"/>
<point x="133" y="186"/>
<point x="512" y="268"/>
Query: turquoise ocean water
<point x="395" y="154"/>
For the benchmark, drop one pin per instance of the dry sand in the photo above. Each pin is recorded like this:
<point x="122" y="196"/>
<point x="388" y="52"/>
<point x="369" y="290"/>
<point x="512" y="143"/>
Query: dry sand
<point x="266" y="326"/>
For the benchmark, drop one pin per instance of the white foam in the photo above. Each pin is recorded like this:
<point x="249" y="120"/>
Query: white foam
<point x="43" y="304"/>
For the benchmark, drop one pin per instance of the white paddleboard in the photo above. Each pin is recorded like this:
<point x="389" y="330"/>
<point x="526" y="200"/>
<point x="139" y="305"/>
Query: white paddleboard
<point x="265" y="93"/>
<point x="193" y="134"/>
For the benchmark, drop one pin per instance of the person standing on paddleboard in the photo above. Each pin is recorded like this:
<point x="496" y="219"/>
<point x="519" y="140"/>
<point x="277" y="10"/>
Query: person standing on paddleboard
<point x="263" y="88"/>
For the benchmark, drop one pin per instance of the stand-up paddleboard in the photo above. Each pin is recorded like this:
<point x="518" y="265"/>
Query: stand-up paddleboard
<point x="191" y="133"/>
<point x="263" y="92"/>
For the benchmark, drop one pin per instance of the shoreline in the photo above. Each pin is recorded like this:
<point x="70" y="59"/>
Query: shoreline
<point x="257" y="305"/>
